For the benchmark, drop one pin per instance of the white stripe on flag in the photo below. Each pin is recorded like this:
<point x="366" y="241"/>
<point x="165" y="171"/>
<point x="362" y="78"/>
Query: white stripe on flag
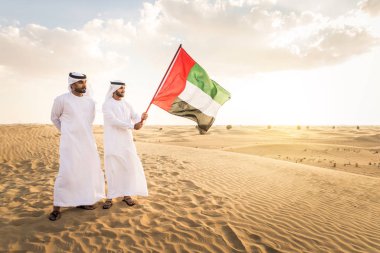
<point x="200" y="100"/>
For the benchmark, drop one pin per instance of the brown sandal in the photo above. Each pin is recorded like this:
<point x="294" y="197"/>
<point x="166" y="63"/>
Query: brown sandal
<point x="55" y="215"/>
<point x="129" y="201"/>
<point x="107" y="204"/>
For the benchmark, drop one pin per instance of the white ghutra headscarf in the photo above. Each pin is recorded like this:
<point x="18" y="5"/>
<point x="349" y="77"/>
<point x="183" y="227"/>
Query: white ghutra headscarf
<point x="75" y="77"/>
<point x="114" y="86"/>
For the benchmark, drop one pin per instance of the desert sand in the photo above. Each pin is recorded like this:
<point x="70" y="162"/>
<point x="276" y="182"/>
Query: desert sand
<point x="247" y="189"/>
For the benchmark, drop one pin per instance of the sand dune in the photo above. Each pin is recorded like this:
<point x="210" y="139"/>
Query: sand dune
<point x="343" y="148"/>
<point x="203" y="198"/>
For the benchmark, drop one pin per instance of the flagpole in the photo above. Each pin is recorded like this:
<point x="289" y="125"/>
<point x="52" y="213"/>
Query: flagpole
<point x="163" y="78"/>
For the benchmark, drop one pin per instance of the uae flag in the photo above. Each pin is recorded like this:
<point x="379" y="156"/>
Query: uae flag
<point x="188" y="91"/>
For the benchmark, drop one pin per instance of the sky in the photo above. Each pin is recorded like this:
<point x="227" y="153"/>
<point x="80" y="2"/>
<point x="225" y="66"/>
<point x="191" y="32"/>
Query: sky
<point x="285" y="62"/>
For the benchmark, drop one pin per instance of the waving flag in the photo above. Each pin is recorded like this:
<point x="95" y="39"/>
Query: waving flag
<point x="188" y="92"/>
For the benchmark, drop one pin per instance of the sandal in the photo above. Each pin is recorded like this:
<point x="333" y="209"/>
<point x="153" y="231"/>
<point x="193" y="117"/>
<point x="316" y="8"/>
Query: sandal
<point x="107" y="204"/>
<point x="87" y="207"/>
<point x="129" y="201"/>
<point x="55" y="215"/>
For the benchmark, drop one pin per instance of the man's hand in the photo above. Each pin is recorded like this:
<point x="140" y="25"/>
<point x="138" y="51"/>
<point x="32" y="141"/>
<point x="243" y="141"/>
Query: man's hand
<point x="144" y="116"/>
<point x="138" y="125"/>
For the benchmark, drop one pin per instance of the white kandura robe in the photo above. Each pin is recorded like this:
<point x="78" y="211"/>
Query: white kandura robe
<point x="124" y="171"/>
<point x="80" y="180"/>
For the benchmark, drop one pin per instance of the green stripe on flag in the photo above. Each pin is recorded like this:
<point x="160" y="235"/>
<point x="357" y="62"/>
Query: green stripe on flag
<point x="199" y="78"/>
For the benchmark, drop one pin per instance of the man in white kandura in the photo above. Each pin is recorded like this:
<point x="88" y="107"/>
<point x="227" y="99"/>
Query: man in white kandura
<point x="80" y="180"/>
<point x="124" y="171"/>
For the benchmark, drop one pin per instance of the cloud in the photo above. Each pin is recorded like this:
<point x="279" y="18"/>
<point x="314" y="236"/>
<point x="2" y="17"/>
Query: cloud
<point x="36" y="50"/>
<point x="230" y="37"/>
<point x="370" y="6"/>
<point x="255" y="36"/>
<point x="324" y="42"/>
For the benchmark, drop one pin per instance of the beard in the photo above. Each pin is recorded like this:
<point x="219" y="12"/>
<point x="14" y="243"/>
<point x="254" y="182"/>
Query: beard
<point x="119" y="94"/>
<point x="83" y="90"/>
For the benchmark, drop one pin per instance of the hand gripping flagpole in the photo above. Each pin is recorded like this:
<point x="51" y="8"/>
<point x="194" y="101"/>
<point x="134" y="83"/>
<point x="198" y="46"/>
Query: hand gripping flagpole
<point x="163" y="78"/>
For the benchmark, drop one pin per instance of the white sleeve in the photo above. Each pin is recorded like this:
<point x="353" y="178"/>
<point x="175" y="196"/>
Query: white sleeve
<point x="111" y="119"/>
<point x="134" y="116"/>
<point x="56" y="113"/>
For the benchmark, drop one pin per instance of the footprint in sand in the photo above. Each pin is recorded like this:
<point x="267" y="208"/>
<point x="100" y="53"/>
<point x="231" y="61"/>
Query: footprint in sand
<point x="211" y="213"/>
<point x="108" y="233"/>
<point x="188" y="222"/>
<point x="34" y="214"/>
<point x="62" y="244"/>
<point x="145" y="220"/>
<point x="38" y="164"/>
<point x="258" y="240"/>
<point x="5" y="166"/>
<point x="157" y="207"/>
<point x="26" y="164"/>
<point x="20" y="222"/>
<point x="33" y="248"/>
<point x="231" y="238"/>
<point x="189" y="184"/>
<point x="164" y="158"/>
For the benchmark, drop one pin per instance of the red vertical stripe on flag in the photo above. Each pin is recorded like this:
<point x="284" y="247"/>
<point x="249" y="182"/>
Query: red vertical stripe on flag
<point x="175" y="81"/>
